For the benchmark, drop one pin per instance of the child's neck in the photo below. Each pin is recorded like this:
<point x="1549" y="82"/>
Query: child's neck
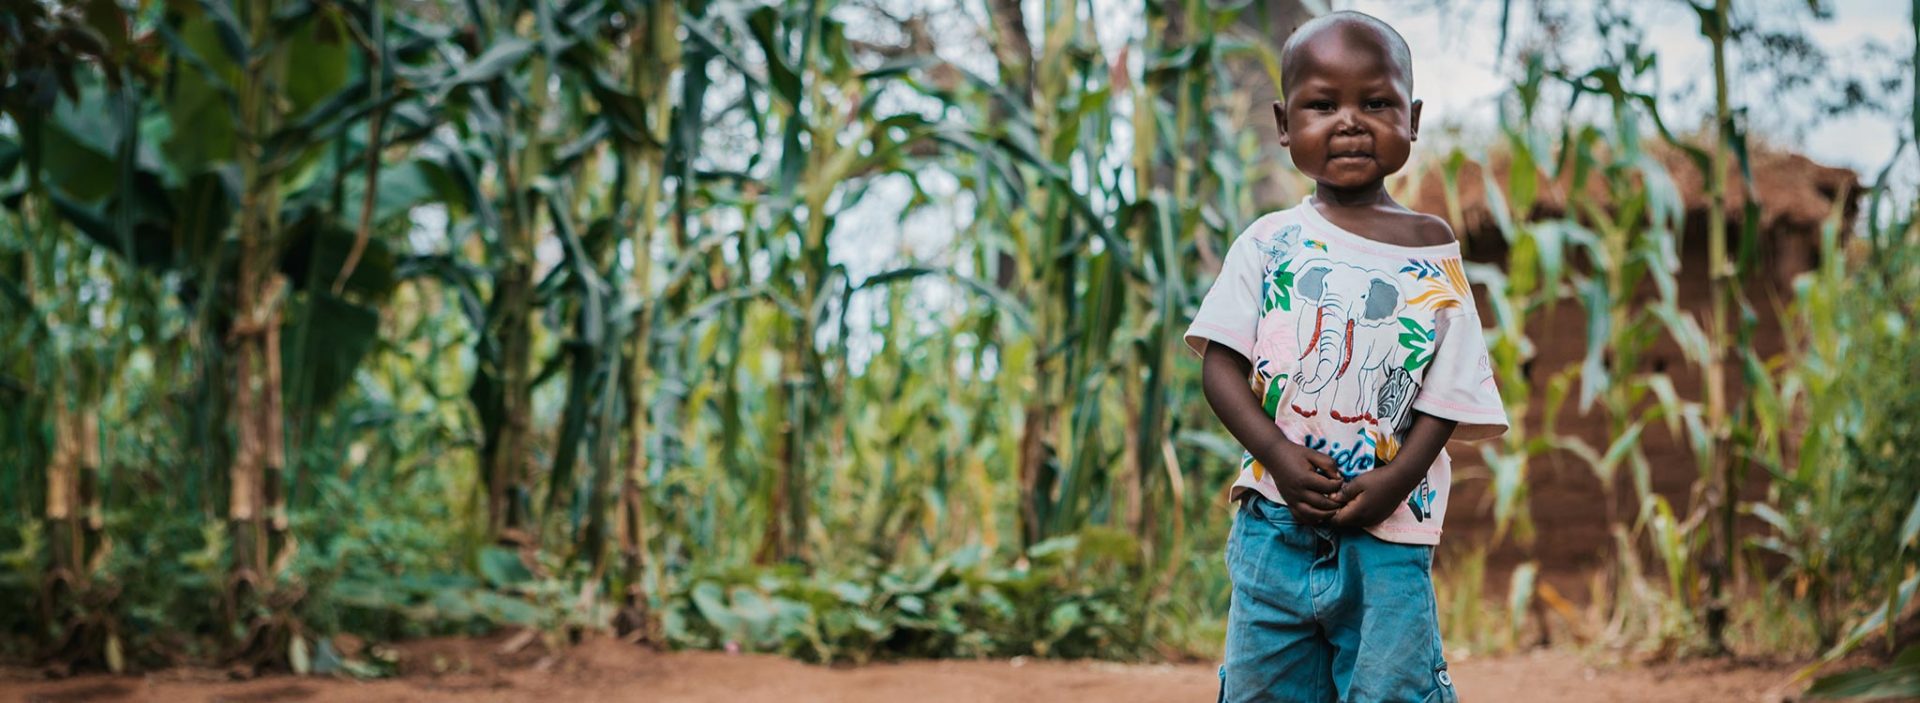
<point x="1365" y="196"/>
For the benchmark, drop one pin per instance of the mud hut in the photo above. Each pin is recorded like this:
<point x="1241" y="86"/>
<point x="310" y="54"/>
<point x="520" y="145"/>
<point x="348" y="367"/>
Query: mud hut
<point x="1795" y="197"/>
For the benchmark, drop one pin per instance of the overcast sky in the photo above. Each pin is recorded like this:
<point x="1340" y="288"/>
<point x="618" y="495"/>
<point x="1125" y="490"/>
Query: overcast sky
<point x="1457" y="73"/>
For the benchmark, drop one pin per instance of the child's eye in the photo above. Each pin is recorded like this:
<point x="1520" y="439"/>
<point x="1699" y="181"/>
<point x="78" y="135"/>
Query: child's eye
<point x="1378" y="104"/>
<point x="1320" y="106"/>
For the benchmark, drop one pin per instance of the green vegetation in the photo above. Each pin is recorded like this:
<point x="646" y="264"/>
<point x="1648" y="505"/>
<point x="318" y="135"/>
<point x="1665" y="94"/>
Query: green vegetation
<point x="1847" y="516"/>
<point x="403" y="319"/>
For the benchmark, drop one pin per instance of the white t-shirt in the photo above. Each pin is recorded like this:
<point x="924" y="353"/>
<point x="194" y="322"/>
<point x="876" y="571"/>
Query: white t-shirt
<point x="1348" y="336"/>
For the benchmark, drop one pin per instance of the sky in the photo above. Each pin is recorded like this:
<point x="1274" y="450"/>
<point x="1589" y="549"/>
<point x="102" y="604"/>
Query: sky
<point x="1459" y="75"/>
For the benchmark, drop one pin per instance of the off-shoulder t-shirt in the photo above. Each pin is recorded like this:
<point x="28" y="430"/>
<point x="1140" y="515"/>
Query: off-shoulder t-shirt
<point x="1348" y="336"/>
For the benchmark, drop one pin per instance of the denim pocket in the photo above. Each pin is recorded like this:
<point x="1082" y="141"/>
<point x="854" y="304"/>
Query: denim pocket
<point x="1443" y="687"/>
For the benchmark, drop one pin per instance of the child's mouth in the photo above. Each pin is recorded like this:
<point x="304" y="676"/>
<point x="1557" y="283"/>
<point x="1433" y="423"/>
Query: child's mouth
<point x="1350" y="157"/>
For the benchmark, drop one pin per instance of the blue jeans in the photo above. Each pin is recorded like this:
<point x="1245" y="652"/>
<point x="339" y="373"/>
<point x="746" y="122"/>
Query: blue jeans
<point x="1324" y="614"/>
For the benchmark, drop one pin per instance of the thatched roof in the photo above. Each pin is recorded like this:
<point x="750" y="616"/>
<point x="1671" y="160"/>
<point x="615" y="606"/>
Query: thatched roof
<point x="1795" y="194"/>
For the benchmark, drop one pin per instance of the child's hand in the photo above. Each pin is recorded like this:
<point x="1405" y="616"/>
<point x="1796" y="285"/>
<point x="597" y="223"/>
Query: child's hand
<point x="1303" y="477"/>
<point x="1368" y="499"/>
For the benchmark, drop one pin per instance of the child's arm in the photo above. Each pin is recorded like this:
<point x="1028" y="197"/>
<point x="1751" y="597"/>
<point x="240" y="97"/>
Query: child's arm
<point x="1374" y="495"/>
<point x="1223" y="378"/>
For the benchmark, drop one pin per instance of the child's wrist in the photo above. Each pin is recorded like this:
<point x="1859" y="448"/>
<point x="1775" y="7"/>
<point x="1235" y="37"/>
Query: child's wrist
<point x="1398" y="473"/>
<point x="1275" y="446"/>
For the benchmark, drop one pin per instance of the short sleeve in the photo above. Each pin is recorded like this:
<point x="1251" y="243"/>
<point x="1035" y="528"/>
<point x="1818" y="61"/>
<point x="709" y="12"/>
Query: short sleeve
<point x="1459" y="381"/>
<point x="1231" y="310"/>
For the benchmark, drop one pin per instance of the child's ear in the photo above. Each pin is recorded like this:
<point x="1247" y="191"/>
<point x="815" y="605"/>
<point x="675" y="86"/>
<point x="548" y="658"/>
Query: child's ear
<point x="1416" y="121"/>
<point x="1280" y="122"/>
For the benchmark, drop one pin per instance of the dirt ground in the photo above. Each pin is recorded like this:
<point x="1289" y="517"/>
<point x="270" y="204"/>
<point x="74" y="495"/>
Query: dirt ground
<point x="606" y="670"/>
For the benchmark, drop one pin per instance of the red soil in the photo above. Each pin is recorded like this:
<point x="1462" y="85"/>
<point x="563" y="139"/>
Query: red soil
<point x="607" y="670"/>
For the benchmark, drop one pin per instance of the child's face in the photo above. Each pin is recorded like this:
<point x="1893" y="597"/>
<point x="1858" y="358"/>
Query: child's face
<point x="1347" y="119"/>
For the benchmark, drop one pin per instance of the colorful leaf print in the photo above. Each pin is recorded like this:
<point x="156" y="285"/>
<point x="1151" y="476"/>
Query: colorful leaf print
<point x="1457" y="277"/>
<point x="1445" y="283"/>
<point x="1419" y="343"/>
<point x="1385" y="445"/>
<point x="1270" y="399"/>
<point x="1421" y="269"/>
<point x="1247" y="463"/>
<point x="1276" y="285"/>
<point x="1279" y="290"/>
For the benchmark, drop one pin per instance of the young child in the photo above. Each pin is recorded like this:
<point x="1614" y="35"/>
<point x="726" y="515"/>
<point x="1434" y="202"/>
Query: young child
<point x="1352" y="318"/>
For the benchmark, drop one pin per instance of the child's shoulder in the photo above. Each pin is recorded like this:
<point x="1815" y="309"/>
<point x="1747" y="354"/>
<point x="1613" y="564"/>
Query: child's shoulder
<point x="1403" y="227"/>
<point x="1427" y="230"/>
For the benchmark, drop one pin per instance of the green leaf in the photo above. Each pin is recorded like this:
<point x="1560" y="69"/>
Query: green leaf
<point x="898" y="66"/>
<point x="10" y="153"/>
<point x="1510" y="489"/>
<point x="755" y="612"/>
<point x="1057" y="547"/>
<point x="504" y="609"/>
<point x="1064" y="618"/>
<point x="498" y="59"/>
<point x="1595" y="375"/>
<point x="233" y="38"/>
<point x="402" y="186"/>
<point x="200" y="107"/>
<point x="710" y="601"/>
<point x="765" y="24"/>
<point x="77" y="149"/>
<point x="1617" y="451"/>
<point x="320" y="364"/>
<point x="1520" y="596"/>
<point x="502" y="568"/>
<point x="1899" y="680"/>
<point x="317" y="61"/>
<point x="317" y="250"/>
<point x="452" y="605"/>
<point x="1910" y="530"/>
<point x="1523" y="176"/>
<point x="1772" y="517"/>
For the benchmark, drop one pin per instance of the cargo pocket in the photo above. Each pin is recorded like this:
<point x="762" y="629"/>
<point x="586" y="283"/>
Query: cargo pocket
<point x="1442" y="686"/>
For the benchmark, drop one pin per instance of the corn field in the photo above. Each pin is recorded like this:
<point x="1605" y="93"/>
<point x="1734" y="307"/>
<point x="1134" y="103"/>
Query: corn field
<point x="408" y="319"/>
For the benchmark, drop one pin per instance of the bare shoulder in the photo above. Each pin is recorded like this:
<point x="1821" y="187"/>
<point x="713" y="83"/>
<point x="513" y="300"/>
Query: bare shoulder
<point x="1428" y="230"/>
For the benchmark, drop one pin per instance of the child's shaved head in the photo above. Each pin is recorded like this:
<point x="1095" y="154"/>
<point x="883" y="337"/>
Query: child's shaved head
<point x="1347" y="115"/>
<point x="1350" y="28"/>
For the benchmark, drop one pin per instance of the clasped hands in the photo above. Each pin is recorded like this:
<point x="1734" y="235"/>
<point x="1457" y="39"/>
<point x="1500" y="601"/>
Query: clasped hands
<point x="1307" y="479"/>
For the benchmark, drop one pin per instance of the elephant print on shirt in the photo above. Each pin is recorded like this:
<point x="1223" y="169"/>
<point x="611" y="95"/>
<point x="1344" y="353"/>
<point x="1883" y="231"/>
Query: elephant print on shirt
<point x="1344" y="350"/>
<point x="1351" y="338"/>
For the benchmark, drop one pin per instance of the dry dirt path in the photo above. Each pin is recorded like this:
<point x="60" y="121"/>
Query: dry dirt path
<point x="608" y="671"/>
